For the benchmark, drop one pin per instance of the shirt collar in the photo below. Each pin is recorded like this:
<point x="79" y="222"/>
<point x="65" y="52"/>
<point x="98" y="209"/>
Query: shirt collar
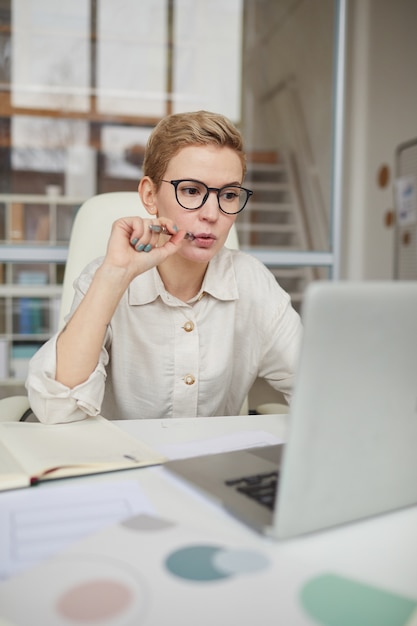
<point x="219" y="282"/>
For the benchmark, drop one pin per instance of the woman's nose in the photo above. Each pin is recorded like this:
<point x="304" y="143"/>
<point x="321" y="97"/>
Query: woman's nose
<point x="210" y="209"/>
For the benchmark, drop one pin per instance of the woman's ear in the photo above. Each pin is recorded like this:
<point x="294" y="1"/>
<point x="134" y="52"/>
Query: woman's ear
<point x="147" y="193"/>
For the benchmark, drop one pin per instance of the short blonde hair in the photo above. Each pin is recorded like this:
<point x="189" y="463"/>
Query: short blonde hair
<point x="181" y="130"/>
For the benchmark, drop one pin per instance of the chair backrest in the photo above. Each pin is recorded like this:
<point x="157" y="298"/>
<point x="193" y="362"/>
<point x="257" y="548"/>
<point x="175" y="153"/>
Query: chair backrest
<point x="91" y="231"/>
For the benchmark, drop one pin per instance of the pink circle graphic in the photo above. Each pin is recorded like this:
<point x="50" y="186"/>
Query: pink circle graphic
<point x="95" y="600"/>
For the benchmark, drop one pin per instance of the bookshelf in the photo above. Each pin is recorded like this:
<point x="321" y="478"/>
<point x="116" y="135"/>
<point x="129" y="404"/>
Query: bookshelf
<point x="34" y="236"/>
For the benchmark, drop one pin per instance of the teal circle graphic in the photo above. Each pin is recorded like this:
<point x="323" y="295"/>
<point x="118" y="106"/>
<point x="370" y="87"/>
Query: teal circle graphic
<point x="208" y="563"/>
<point x="195" y="563"/>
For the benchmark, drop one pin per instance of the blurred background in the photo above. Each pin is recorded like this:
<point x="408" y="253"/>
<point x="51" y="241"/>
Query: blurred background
<point x="324" y="92"/>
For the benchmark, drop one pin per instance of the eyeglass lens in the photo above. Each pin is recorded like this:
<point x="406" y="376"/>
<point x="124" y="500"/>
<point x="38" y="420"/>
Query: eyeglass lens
<point x="193" y="194"/>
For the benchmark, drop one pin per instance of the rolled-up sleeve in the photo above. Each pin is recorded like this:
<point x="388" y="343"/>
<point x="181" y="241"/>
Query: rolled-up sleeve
<point x="53" y="402"/>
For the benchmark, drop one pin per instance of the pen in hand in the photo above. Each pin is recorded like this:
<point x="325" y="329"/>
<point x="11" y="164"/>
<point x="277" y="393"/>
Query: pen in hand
<point x="157" y="228"/>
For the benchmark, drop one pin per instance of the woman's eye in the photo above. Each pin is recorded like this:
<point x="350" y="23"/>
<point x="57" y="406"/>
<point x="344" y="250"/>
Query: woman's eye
<point x="190" y="191"/>
<point x="230" y="195"/>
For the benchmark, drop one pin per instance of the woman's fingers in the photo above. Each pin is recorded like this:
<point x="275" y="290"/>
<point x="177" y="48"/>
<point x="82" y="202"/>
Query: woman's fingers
<point x="152" y="236"/>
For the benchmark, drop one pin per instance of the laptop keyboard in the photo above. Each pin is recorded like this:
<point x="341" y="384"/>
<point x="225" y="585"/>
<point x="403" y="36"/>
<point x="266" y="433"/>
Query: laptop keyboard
<point x="260" y="487"/>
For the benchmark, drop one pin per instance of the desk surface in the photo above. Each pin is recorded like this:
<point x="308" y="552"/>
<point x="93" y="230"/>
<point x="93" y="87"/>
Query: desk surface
<point x="196" y="564"/>
<point x="168" y="431"/>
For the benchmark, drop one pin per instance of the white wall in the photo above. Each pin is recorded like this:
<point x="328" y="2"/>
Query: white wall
<point x="381" y="113"/>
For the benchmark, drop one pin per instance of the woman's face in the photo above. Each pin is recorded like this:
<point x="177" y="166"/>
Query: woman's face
<point x="216" y="167"/>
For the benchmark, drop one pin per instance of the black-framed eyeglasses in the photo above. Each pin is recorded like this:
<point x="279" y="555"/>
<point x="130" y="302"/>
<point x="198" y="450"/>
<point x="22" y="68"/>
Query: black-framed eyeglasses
<point x="192" y="194"/>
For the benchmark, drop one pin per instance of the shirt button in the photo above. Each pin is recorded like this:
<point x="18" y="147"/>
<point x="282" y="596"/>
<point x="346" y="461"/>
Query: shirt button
<point x="189" y="379"/>
<point x="188" y="326"/>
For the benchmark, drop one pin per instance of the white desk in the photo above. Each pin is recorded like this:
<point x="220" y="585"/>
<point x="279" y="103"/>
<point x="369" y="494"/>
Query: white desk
<point x="368" y="569"/>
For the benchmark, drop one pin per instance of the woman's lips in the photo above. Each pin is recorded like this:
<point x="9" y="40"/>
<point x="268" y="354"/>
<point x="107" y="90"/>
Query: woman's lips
<point x="204" y="240"/>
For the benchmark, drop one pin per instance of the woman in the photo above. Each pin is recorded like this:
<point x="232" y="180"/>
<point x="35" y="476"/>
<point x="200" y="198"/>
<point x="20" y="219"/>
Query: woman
<point x="171" y="323"/>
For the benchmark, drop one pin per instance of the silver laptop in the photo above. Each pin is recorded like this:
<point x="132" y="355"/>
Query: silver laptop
<point x="351" y="451"/>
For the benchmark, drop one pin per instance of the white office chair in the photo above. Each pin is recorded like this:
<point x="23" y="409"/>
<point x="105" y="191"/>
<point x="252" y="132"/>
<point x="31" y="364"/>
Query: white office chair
<point x="89" y="235"/>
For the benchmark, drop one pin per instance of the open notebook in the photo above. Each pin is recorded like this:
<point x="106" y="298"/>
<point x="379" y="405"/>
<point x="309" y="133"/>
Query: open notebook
<point x="351" y="449"/>
<point x="31" y="452"/>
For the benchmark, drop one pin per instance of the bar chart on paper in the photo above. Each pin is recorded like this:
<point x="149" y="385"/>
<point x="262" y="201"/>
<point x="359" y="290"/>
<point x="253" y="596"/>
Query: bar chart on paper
<point x="36" y="524"/>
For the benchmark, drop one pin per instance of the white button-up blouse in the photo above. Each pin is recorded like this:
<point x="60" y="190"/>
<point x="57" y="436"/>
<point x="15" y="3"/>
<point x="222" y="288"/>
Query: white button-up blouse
<point x="162" y="357"/>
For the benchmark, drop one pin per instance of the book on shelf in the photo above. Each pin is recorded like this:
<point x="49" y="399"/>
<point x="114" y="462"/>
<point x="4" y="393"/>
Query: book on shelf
<point x="32" y="309"/>
<point x="4" y="358"/>
<point x="17" y="222"/>
<point x="3" y="213"/>
<point x="3" y="315"/>
<point x="30" y="316"/>
<point x="31" y="452"/>
<point x="32" y="277"/>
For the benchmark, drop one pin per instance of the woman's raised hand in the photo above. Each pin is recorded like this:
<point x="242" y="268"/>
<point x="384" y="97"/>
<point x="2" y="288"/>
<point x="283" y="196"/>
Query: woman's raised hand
<point x="134" y="246"/>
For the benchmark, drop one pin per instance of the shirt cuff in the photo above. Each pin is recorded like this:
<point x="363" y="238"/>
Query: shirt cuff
<point x="51" y="401"/>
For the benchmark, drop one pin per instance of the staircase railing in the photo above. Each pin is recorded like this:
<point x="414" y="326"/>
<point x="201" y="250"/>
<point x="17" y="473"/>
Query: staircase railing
<point x="302" y="162"/>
